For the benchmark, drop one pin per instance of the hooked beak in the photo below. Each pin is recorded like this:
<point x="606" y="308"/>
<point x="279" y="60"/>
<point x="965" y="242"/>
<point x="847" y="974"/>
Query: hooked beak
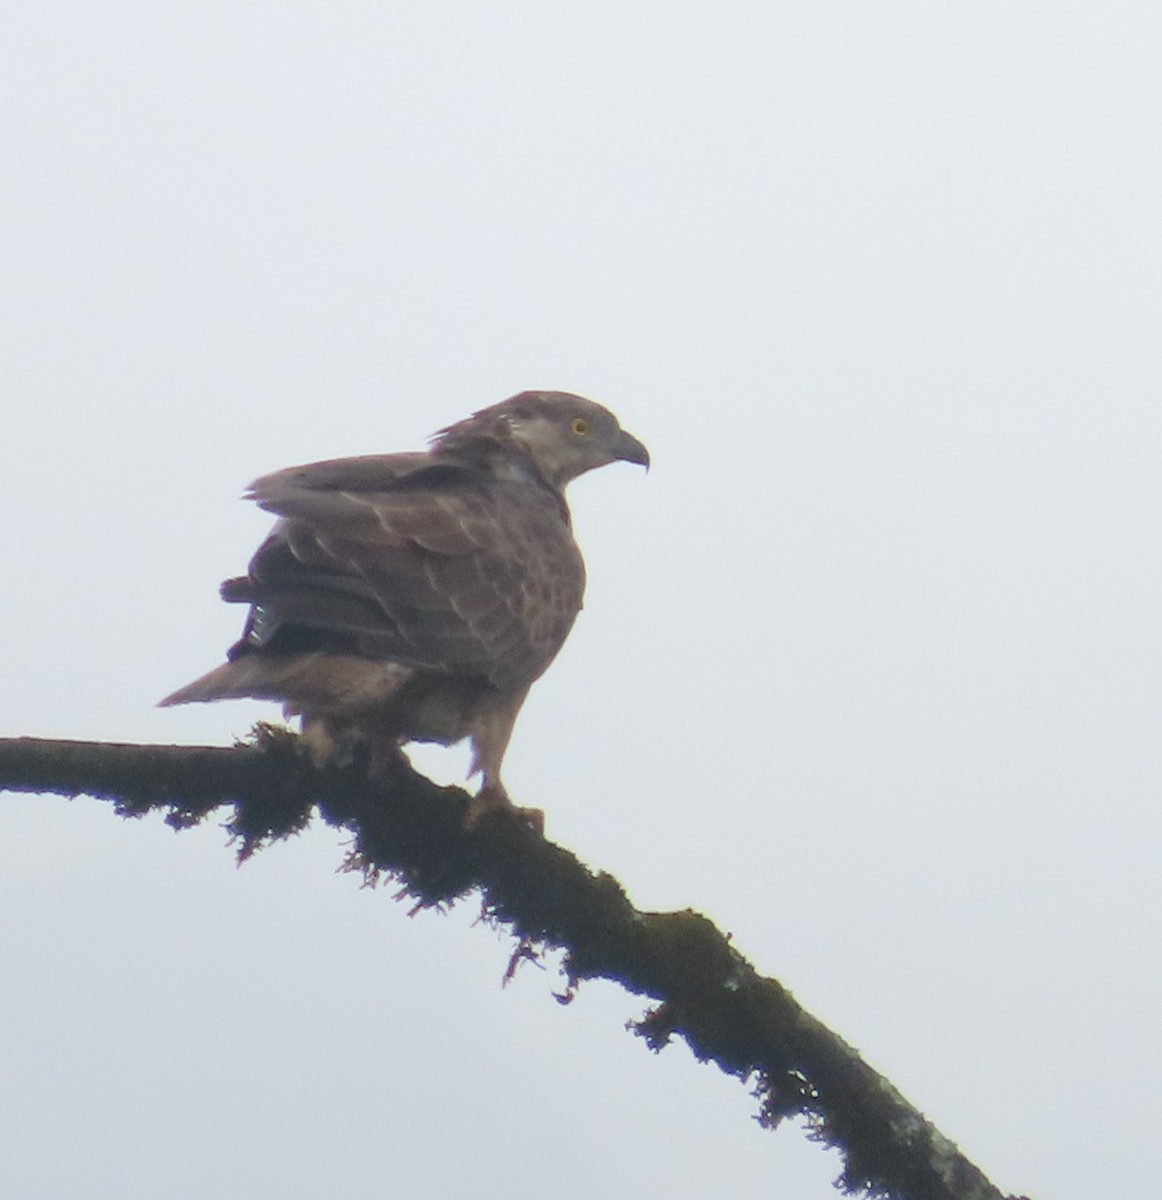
<point x="629" y="449"/>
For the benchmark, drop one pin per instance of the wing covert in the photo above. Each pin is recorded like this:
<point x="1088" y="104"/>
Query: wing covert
<point x="482" y="577"/>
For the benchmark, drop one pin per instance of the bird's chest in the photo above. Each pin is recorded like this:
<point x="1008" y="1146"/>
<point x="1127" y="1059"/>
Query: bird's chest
<point x="545" y="573"/>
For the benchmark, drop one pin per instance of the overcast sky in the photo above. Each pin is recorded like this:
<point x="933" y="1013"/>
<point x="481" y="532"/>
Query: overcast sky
<point x="869" y="665"/>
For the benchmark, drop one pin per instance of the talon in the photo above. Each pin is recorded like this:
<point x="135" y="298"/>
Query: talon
<point x="534" y="818"/>
<point x="492" y="799"/>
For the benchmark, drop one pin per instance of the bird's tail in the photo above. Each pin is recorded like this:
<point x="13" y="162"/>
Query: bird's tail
<point x="300" y="681"/>
<point x="248" y="676"/>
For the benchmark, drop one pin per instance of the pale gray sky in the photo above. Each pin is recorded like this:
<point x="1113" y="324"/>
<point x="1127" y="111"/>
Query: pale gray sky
<point x="868" y="671"/>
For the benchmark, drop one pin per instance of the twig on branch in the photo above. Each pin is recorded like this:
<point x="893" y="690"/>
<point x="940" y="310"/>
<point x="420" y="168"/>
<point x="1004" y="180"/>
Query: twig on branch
<point x="410" y="829"/>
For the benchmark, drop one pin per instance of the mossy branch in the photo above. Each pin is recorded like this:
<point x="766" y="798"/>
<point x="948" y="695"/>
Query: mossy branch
<point x="409" y="829"/>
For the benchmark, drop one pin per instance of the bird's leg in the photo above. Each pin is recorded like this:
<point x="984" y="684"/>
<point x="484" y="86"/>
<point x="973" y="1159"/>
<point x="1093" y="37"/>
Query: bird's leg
<point x="490" y="736"/>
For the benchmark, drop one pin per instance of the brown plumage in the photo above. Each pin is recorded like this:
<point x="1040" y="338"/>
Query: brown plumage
<point x="416" y="597"/>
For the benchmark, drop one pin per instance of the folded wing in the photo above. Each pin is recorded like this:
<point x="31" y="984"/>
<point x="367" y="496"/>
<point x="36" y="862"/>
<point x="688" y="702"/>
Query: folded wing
<point x="433" y="566"/>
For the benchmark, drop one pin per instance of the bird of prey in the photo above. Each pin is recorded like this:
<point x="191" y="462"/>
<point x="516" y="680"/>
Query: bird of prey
<point x="417" y="596"/>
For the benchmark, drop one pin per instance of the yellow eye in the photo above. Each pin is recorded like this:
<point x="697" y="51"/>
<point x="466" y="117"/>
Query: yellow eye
<point x="580" y="425"/>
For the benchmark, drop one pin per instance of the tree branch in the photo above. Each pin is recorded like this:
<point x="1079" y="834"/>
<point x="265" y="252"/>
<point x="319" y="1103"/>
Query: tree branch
<point x="408" y="828"/>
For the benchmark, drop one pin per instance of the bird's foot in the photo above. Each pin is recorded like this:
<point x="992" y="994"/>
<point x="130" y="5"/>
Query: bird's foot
<point x="493" y="798"/>
<point x="386" y="758"/>
<point x="341" y="753"/>
<point x="320" y="745"/>
<point x="344" y="747"/>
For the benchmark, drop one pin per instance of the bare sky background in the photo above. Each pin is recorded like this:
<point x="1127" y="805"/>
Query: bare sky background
<point x="869" y="668"/>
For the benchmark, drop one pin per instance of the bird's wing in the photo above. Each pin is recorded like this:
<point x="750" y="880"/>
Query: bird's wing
<point x="430" y="564"/>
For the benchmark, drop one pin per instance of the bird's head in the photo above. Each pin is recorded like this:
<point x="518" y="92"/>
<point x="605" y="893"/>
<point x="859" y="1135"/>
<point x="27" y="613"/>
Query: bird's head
<point x="564" y="435"/>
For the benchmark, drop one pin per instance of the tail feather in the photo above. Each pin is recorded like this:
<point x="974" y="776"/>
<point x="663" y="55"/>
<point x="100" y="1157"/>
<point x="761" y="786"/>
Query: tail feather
<point x="301" y="681"/>
<point x="236" y="680"/>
